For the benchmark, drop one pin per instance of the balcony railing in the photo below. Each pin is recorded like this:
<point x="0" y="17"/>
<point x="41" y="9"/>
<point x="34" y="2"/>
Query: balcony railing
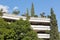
<point x="40" y="27"/>
<point x="43" y="35"/>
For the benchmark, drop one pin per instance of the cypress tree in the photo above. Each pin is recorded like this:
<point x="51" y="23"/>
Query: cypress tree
<point x="1" y="13"/>
<point x="32" y="10"/>
<point x="54" y="35"/>
<point x="27" y="14"/>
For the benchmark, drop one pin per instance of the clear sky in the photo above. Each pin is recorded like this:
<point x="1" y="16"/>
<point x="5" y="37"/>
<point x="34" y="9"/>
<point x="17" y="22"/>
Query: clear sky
<point x="39" y="5"/>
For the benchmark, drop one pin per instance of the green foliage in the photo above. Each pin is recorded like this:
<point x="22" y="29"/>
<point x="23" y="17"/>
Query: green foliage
<point x="2" y="23"/>
<point x="54" y="28"/>
<point x="59" y="35"/>
<point x="41" y="39"/>
<point x="31" y="35"/>
<point x="19" y="30"/>
<point x="32" y="10"/>
<point x="5" y="33"/>
<point x="23" y="30"/>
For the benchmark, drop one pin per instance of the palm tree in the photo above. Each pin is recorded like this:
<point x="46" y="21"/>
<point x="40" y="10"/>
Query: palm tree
<point x="42" y="14"/>
<point x="16" y="12"/>
<point x="35" y="15"/>
<point x="48" y="16"/>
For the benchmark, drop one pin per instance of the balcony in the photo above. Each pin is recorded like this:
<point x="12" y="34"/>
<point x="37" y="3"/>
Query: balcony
<point x="40" y="27"/>
<point x="39" y="19"/>
<point x="9" y="16"/>
<point x="32" y="19"/>
<point x="43" y="35"/>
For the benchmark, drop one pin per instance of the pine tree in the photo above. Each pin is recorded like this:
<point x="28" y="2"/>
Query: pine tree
<point x="54" y="35"/>
<point x="32" y="10"/>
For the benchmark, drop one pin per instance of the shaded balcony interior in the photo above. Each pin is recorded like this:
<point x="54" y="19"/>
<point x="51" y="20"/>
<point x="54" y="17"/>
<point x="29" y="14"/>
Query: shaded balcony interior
<point x="46" y="32"/>
<point x="9" y="20"/>
<point x="32" y="23"/>
<point x="44" y="38"/>
<point x="40" y="23"/>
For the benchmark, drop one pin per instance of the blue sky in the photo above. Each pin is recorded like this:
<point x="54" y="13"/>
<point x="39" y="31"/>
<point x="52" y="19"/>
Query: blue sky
<point x="39" y="5"/>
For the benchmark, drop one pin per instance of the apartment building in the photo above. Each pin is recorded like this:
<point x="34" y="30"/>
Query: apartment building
<point x="38" y="24"/>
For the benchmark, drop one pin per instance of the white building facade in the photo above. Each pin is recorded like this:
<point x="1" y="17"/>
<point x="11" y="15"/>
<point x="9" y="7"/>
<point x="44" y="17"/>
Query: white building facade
<point x="38" y="24"/>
